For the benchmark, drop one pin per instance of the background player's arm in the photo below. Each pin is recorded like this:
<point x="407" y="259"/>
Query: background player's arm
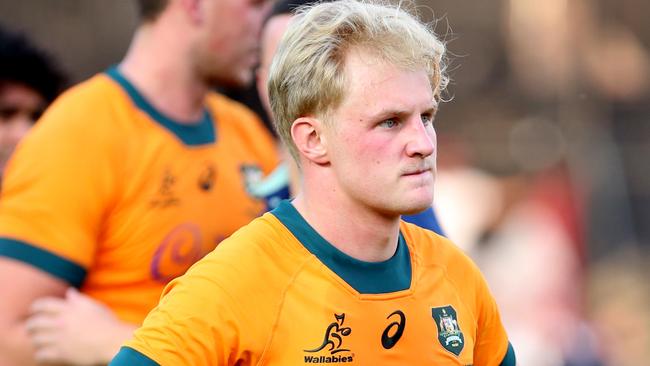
<point x="75" y="330"/>
<point x="55" y="196"/>
<point x="20" y="285"/>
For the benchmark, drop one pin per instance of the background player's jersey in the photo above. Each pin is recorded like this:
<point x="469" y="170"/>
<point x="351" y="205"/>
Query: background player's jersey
<point x="277" y="293"/>
<point x="111" y="196"/>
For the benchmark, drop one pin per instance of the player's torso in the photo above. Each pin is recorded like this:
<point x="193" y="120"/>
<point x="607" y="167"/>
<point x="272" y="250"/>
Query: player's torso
<point x="178" y="198"/>
<point x="324" y="321"/>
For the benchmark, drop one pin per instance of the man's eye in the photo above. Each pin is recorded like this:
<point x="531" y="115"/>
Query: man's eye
<point x="8" y="112"/>
<point x="427" y="119"/>
<point x="389" y="123"/>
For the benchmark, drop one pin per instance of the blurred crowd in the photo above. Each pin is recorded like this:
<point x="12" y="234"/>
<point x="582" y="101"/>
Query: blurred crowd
<point x="542" y="172"/>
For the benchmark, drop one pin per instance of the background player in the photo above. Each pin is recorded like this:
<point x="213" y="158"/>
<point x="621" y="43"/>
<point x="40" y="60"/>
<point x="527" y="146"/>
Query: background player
<point x="29" y="81"/>
<point x="354" y="88"/>
<point x="127" y="180"/>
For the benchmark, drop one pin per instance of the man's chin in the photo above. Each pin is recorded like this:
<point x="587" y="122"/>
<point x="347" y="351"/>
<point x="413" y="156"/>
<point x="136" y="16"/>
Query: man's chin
<point x="405" y="209"/>
<point x="416" y="209"/>
<point x="416" y="206"/>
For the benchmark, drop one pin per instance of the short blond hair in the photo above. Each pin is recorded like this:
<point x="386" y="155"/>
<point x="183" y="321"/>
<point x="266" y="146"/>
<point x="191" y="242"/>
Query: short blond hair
<point x="307" y="73"/>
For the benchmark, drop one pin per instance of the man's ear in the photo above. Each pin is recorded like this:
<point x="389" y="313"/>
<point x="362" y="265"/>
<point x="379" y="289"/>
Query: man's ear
<point x="194" y="10"/>
<point x="310" y="142"/>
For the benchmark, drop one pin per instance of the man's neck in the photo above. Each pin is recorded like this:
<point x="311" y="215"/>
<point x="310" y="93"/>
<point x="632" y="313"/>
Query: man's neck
<point x="162" y="73"/>
<point x="354" y="229"/>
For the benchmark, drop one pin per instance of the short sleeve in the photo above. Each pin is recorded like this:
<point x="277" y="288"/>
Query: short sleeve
<point x="56" y="190"/>
<point x="492" y="346"/>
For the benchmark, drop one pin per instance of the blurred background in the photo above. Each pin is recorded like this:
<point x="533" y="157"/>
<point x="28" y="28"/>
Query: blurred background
<point x="543" y="155"/>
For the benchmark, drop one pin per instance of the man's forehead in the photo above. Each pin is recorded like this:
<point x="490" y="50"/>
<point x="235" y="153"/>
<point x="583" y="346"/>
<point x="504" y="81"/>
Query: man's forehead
<point x="18" y="93"/>
<point x="364" y="58"/>
<point x="368" y="69"/>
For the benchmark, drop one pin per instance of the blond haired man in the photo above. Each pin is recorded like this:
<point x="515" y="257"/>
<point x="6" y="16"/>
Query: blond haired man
<point x="335" y="276"/>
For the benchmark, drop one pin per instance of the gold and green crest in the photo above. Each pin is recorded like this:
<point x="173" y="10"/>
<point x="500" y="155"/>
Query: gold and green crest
<point x="449" y="333"/>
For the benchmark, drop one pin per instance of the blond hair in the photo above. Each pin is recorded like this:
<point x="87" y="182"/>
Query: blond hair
<point x="307" y="73"/>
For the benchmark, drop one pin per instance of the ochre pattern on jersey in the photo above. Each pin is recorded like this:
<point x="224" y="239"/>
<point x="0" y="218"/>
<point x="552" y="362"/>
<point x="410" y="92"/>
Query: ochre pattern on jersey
<point x="300" y="312"/>
<point x="101" y="184"/>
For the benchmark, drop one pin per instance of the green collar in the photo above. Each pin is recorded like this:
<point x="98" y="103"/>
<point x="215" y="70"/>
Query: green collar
<point x="200" y="133"/>
<point x="388" y="276"/>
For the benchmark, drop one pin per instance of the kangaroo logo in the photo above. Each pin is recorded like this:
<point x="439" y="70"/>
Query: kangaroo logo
<point x="334" y="336"/>
<point x="166" y="195"/>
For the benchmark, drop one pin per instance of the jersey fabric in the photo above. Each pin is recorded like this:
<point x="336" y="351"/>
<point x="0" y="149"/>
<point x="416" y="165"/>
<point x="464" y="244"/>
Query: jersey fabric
<point x="112" y="196"/>
<point x="277" y="293"/>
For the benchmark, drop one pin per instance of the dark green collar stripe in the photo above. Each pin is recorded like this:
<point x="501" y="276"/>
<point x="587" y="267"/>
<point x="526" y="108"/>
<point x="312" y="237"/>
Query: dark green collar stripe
<point x="58" y="267"/>
<point x="200" y="133"/>
<point x="128" y="357"/>
<point x="509" y="359"/>
<point x="391" y="275"/>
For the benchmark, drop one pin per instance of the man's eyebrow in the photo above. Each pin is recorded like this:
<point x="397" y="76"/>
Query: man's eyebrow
<point x="433" y="110"/>
<point x="388" y="112"/>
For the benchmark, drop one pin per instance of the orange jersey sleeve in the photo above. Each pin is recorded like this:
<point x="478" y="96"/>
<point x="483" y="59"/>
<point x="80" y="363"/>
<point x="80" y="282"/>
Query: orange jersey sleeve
<point x="60" y="185"/>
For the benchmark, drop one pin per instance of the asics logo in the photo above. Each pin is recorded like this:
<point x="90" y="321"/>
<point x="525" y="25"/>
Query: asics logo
<point x="394" y="330"/>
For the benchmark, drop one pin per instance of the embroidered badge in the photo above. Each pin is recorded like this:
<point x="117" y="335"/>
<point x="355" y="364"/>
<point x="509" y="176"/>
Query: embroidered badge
<point x="449" y="333"/>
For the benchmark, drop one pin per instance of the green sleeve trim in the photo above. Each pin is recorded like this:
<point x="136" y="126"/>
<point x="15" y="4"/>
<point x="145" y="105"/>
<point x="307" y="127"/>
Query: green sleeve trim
<point x="509" y="359"/>
<point x="53" y="264"/>
<point x="130" y="357"/>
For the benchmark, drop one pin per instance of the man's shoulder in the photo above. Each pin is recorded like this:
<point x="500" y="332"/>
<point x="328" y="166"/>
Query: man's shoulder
<point x="86" y="103"/>
<point x="83" y="116"/>
<point x="262" y="231"/>
<point x="95" y="89"/>
<point x="264" y="244"/>
<point x="235" y="116"/>
<point x="224" y="107"/>
<point x="435" y="249"/>
<point x="242" y="127"/>
<point x="253" y="265"/>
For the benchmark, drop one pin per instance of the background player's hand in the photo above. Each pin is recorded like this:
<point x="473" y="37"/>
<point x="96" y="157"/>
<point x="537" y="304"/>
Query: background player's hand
<point x="75" y="330"/>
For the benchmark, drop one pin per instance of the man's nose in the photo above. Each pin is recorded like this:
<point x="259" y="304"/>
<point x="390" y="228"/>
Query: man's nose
<point x="422" y="139"/>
